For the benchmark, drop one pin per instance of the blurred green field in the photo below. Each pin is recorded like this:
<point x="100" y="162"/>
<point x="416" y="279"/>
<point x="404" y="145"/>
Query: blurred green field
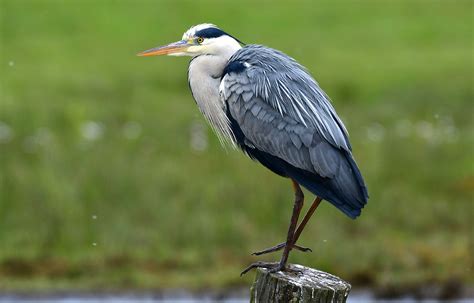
<point x="110" y="179"/>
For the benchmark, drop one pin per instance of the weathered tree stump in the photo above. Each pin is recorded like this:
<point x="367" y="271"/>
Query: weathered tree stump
<point x="298" y="284"/>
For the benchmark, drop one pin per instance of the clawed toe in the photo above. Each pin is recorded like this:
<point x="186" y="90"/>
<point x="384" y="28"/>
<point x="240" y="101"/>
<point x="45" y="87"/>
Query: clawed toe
<point x="280" y="247"/>
<point x="272" y="266"/>
<point x="270" y="249"/>
<point x="292" y="236"/>
<point x="302" y="248"/>
<point x="277" y="268"/>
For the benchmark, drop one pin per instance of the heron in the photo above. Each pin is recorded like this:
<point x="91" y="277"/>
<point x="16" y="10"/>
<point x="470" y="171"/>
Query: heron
<point x="264" y="102"/>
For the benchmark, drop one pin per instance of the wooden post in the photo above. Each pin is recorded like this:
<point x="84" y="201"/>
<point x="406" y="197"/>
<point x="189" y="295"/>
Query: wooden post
<point x="297" y="285"/>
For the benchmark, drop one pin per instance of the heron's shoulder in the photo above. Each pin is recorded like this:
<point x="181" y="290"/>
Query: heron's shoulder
<point x="262" y="59"/>
<point x="262" y="56"/>
<point x="279" y="81"/>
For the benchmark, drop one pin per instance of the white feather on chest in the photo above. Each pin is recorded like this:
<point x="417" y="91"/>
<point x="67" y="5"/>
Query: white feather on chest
<point x="204" y="76"/>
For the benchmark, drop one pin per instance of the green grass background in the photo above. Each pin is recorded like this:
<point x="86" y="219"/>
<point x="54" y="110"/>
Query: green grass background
<point x="132" y="205"/>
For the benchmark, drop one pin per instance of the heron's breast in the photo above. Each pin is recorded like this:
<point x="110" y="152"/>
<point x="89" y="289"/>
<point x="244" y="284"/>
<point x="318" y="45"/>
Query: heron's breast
<point x="204" y="83"/>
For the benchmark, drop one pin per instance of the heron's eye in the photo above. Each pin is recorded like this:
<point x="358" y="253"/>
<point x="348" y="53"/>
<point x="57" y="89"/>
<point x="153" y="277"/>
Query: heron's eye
<point x="200" y="40"/>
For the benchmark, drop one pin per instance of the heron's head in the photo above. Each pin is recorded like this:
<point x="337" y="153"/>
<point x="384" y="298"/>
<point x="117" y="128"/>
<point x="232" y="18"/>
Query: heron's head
<point x="202" y="39"/>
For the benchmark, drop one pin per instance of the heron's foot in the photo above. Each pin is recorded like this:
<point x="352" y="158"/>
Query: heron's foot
<point x="271" y="266"/>
<point x="280" y="247"/>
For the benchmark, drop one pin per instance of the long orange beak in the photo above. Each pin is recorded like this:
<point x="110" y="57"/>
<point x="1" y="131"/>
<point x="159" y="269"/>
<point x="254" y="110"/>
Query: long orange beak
<point x="175" y="47"/>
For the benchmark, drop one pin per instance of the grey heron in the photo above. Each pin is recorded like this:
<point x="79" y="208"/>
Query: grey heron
<point x="264" y="102"/>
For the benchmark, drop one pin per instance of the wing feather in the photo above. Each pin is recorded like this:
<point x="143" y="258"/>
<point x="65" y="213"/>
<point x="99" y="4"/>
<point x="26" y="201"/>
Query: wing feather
<point x="287" y="86"/>
<point x="281" y="110"/>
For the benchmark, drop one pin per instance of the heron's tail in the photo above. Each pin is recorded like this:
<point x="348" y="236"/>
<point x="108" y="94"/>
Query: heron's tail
<point x="346" y="191"/>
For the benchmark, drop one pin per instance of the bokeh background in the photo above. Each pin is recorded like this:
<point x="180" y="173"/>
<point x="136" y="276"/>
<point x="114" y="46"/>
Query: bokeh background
<point x="111" y="179"/>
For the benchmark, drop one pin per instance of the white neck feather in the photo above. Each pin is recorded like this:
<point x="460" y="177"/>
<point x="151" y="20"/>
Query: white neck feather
<point x="204" y="76"/>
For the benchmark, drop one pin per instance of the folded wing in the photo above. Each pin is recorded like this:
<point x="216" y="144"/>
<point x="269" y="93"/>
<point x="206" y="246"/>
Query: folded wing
<point x="282" y="118"/>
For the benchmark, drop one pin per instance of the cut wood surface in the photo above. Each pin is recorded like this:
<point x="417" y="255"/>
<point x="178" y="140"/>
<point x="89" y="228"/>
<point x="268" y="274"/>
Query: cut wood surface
<point x="298" y="284"/>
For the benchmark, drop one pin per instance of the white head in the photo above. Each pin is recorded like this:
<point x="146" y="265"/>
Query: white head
<point x="202" y="39"/>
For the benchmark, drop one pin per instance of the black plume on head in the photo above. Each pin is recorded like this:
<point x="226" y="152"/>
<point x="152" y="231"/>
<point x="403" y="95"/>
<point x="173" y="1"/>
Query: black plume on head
<point x="214" y="32"/>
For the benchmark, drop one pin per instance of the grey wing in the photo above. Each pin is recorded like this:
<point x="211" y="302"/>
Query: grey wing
<point x="287" y="87"/>
<point x="281" y="110"/>
<point x="279" y="135"/>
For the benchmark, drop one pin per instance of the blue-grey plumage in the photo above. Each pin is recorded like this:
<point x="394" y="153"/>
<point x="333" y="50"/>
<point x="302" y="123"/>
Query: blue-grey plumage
<point x="269" y="105"/>
<point x="282" y="112"/>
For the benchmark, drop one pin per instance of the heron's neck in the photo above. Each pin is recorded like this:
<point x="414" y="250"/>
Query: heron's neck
<point x="211" y="65"/>
<point x="218" y="54"/>
<point x="204" y="78"/>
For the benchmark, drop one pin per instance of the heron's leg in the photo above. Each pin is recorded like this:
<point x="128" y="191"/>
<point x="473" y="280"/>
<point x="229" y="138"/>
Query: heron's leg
<point x="306" y="218"/>
<point x="299" y="199"/>
<point x="300" y="228"/>
<point x="274" y="267"/>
